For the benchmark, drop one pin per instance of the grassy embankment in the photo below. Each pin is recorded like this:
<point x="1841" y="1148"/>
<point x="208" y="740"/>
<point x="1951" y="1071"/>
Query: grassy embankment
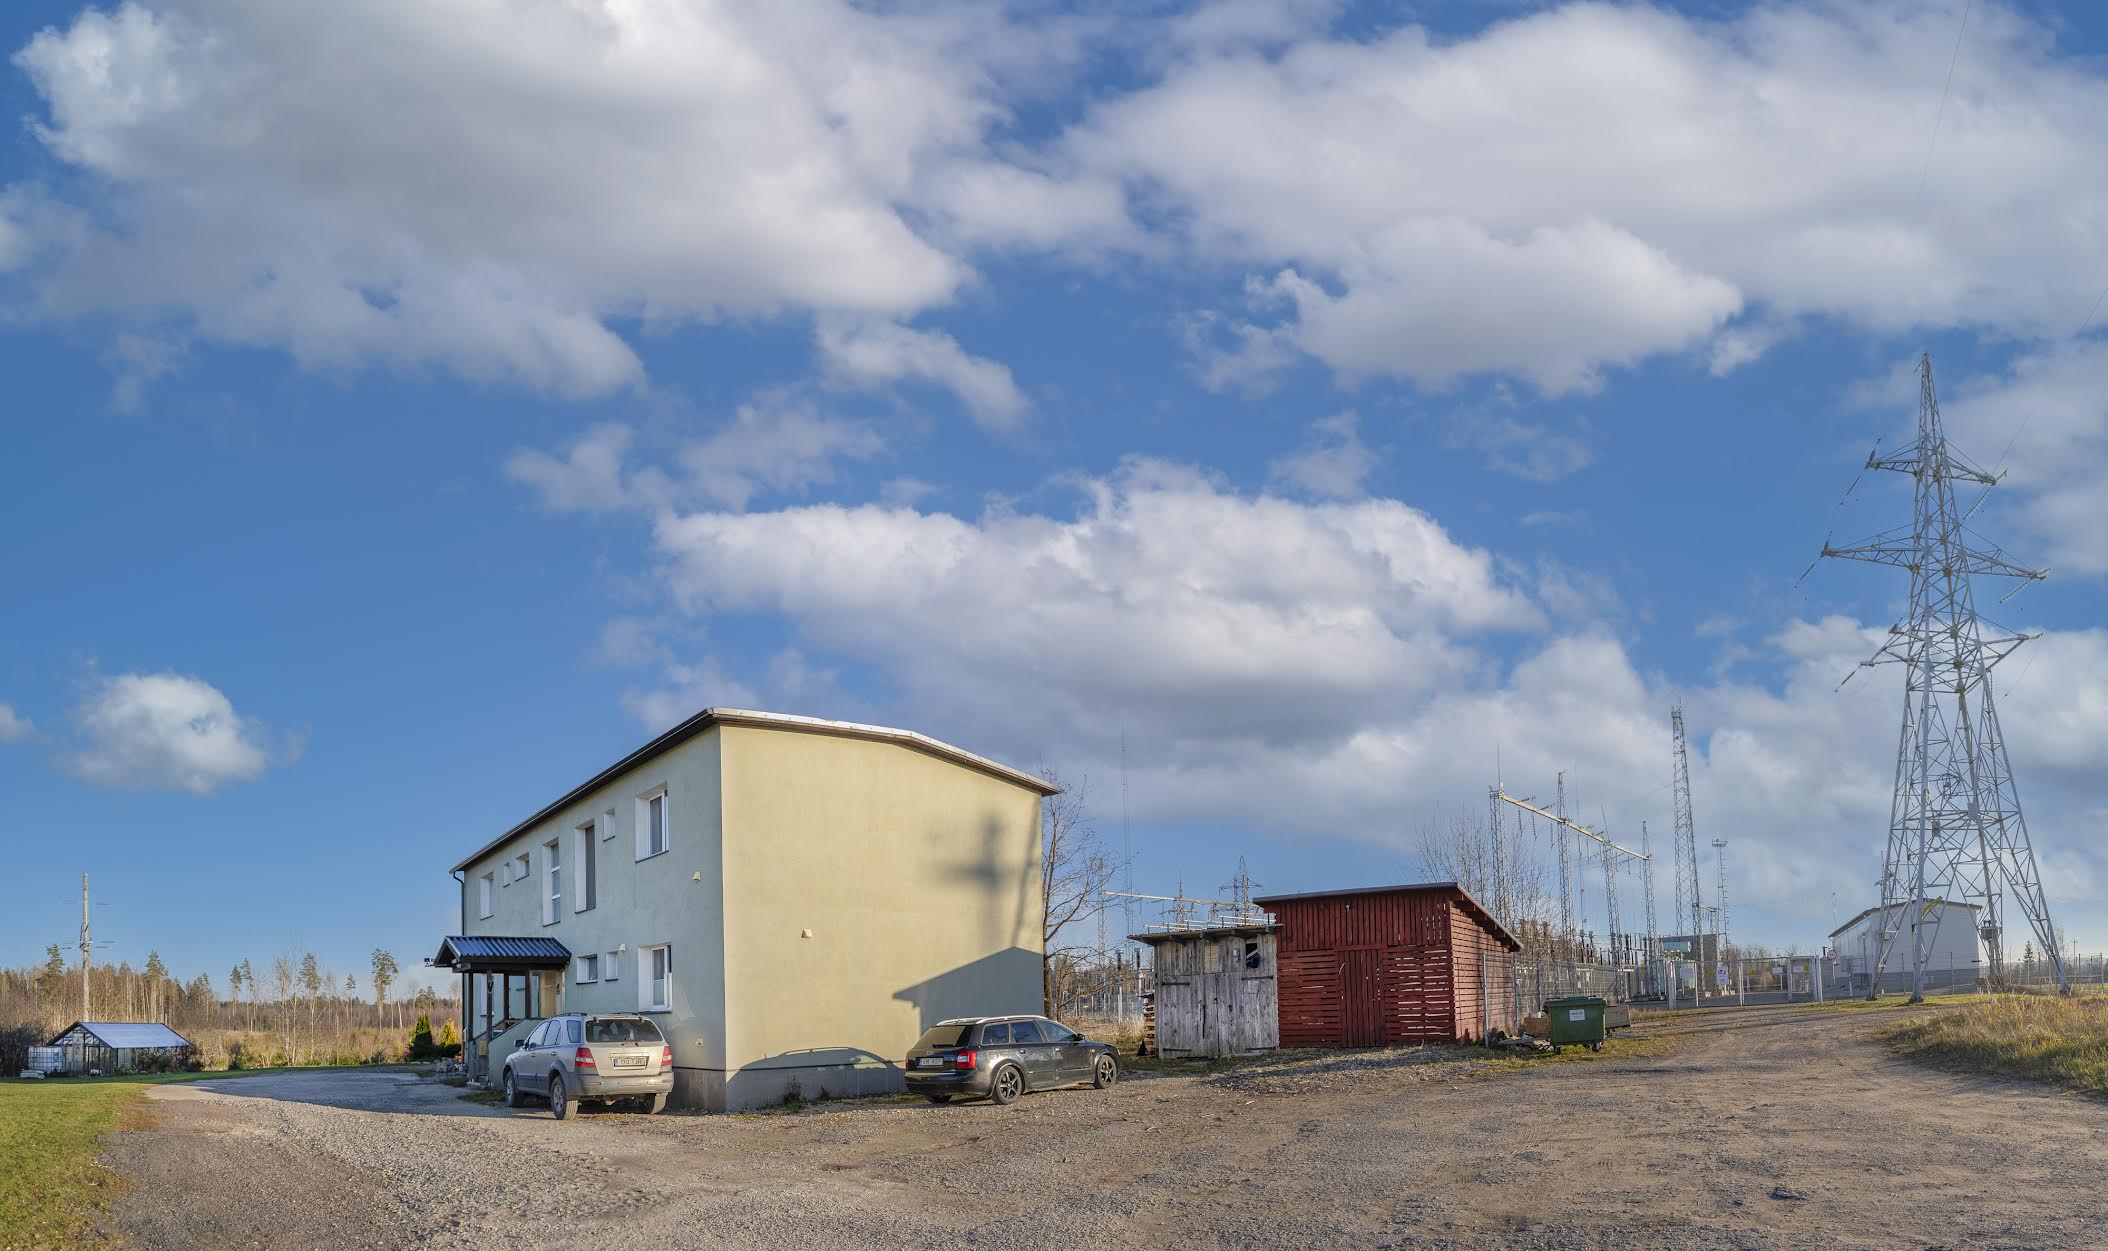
<point x="2044" y="1038"/>
<point x="51" y="1186"/>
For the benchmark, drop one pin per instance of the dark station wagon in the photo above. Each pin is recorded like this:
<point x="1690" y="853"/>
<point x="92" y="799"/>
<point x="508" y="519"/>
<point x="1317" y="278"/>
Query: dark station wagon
<point x="1002" y="1057"/>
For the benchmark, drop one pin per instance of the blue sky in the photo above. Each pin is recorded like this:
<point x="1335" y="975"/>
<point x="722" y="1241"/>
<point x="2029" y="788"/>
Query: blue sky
<point x="411" y="411"/>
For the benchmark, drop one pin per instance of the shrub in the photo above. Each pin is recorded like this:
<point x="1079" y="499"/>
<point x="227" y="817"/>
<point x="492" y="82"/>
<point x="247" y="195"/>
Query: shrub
<point x="421" y="1045"/>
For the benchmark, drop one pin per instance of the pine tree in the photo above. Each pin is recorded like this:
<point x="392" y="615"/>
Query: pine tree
<point x="384" y="971"/>
<point x="51" y="981"/>
<point x="249" y="980"/>
<point x="311" y="982"/>
<point x="156" y="973"/>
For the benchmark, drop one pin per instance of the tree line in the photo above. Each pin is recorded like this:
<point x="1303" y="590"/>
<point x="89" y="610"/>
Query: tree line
<point x="291" y="1011"/>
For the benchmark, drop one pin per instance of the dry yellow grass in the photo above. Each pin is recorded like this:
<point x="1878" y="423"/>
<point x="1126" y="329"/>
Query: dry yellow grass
<point x="2050" y="1039"/>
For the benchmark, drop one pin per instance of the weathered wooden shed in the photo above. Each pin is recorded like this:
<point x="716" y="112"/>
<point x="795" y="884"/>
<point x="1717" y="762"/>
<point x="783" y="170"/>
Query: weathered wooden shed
<point x="1215" y="990"/>
<point x="1391" y="964"/>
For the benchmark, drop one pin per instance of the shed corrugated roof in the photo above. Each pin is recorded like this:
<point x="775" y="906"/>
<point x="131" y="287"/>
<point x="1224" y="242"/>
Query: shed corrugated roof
<point x="128" y="1034"/>
<point x="457" y="948"/>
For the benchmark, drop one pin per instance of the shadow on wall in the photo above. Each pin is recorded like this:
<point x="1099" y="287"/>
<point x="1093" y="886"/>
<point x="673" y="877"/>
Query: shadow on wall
<point x="1004" y="983"/>
<point x="989" y="874"/>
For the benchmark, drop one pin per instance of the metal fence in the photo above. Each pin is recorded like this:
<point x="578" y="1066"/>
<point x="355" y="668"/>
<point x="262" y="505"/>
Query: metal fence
<point x="1538" y="978"/>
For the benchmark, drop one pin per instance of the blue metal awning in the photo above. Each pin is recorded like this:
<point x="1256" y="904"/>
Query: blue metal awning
<point x="463" y="952"/>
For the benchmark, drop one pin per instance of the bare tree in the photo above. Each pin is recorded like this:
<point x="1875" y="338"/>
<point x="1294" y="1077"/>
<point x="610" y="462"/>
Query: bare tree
<point x="1075" y="870"/>
<point x="1505" y="870"/>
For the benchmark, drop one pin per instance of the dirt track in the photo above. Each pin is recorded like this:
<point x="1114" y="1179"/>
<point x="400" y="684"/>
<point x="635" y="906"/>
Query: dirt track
<point x="1704" y="1148"/>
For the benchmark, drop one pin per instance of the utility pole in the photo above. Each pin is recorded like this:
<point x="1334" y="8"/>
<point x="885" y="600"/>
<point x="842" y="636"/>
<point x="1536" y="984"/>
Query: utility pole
<point x="1955" y="826"/>
<point x="1566" y="874"/>
<point x="87" y="946"/>
<point x="1654" y="945"/>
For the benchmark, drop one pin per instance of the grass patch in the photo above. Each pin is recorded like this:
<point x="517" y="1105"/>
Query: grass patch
<point x="51" y="1187"/>
<point x="2063" y="1042"/>
<point x="489" y="1098"/>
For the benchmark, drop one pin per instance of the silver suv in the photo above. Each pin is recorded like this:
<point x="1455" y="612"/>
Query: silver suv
<point x="588" y="1057"/>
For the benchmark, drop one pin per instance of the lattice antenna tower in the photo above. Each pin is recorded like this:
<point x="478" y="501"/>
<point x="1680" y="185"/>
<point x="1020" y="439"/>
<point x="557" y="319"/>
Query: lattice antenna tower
<point x="1720" y="887"/>
<point x="1688" y="902"/>
<point x="1955" y="826"/>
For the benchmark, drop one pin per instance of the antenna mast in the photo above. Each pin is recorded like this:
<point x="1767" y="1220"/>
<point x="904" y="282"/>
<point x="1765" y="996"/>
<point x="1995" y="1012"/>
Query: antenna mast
<point x="1688" y="901"/>
<point x="1720" y="890"/>
<point x="1955" y="827"/>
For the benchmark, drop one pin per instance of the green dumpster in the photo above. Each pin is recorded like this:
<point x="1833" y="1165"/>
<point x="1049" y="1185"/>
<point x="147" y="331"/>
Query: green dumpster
<point x="1575" y="1020"/>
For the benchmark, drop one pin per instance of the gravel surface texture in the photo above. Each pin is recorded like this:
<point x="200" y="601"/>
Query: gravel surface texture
<point x="1768" y="1127"/>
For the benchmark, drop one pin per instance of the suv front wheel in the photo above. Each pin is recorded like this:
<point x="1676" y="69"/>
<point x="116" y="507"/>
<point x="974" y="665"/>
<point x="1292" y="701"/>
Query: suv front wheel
<point x="512" y="1091"/>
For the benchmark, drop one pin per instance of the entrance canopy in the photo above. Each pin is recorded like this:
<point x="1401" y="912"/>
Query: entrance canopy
<point x="488" y="953"/>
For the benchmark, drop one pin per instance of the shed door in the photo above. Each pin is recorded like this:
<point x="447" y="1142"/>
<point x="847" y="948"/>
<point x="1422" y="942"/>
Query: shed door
<point x="1361" y="1012"/>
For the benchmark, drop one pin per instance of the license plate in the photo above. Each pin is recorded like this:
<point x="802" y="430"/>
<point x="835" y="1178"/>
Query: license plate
<point x="930" y="1062"/>
<point x="631" y="1062"/>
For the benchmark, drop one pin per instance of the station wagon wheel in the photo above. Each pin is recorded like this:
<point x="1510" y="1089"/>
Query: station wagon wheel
<point x="1107" y="1072"/>
<point x="559" y="1098"/>
<point x="512" y="1092"/>
<point x="1008" y="1084"/>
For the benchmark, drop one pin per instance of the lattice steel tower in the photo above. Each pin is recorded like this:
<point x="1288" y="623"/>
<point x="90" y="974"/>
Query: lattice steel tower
<point x="1955" y="828"/>
<point x="1685" y="853"/>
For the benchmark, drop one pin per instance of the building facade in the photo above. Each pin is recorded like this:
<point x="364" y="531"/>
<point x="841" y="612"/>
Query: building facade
<point x="1954" y="954"/>
<point x="794" y="899"/>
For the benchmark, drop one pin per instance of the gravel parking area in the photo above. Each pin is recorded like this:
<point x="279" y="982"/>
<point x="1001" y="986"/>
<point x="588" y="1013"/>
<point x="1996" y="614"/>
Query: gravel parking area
<point x="1771" y="1127"/>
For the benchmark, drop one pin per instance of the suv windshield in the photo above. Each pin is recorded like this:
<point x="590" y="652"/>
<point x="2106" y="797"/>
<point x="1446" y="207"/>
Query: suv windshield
<point x="940" y="1036"/>
<point x="623" y="1029"/>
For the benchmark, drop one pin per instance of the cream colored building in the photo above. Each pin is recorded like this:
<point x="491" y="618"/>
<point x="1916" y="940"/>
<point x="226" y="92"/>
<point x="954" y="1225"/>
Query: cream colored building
<point x="794" y="899"/>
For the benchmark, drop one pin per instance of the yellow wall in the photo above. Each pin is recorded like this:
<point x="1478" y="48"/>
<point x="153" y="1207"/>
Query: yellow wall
<point x="919" y="882"/>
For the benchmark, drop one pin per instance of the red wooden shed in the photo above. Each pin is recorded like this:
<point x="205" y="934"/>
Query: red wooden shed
<point x="1391" y="964"/>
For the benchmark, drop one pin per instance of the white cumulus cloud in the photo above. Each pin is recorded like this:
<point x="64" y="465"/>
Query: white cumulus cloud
<point x="164" y="731"/>
<point x="13" y="725"/>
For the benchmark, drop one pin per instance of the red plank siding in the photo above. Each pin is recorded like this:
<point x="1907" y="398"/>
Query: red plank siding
<point x="1388" y="967"/>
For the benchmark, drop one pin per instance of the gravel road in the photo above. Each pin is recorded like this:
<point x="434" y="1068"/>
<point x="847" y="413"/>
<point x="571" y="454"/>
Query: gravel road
<point x="1768" y="1127"/>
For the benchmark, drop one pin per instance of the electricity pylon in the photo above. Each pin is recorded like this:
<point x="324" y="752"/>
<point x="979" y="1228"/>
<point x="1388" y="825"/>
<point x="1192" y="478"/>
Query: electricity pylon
<point x="1955" y="826"/>
<point x="1685" y="854"/>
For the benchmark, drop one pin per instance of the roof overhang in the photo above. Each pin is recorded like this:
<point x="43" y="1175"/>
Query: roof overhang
<point x="497" y="953"/>
<point x="711" y="717"/>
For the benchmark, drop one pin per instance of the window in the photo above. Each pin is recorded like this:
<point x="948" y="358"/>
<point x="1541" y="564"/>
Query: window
<point x="653" y="835"/>
<point x="1028" y="1032"/>
<point x="995" y="1035"/>
<point x="588" y="861"/>
<point x="655" y="978"/>
<point x="553" y="874"/>
<point x="588" y="969"/>
<point x="520" y="871"/>
<point x="1252" y="959"/>
<point x="574" y="1031"/>
<point x="623" y="1029"/>
<point x="613" y="966"/>
<point x="607" y="825"/>
<point x="485" y="905"/>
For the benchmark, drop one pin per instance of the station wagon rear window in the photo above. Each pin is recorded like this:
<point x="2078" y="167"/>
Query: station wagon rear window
<point x="623" y="1029"/>
<point x="942" y="1036"/>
